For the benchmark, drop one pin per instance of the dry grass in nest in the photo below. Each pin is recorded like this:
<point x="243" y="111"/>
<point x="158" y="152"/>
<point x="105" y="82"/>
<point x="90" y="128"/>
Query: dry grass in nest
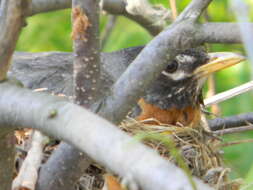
<point x="193" y="149"/>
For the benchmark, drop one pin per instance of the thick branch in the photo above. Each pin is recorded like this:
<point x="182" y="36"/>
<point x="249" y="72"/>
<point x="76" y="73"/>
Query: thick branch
<point x="12" y="15"/>
<point x="69" y="122"/>
<point x="85" y="36"/>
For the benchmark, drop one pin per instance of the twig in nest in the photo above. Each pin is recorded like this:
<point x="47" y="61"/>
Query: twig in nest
<point x="222" y="174"/>
<point x="228" y="94"/>
<point x="234" y="130"/>
<point x="236" y="142"/>
<point x="40" y="89"/>
<point x="192" y="144"/>
<point x="28" y="173"/>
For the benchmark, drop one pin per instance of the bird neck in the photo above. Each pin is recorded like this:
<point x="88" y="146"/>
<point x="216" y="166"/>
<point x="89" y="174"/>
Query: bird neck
<point x="175" y="94"/>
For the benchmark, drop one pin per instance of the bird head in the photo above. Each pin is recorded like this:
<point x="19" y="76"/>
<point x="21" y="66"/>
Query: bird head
<point x="180" y="84"/>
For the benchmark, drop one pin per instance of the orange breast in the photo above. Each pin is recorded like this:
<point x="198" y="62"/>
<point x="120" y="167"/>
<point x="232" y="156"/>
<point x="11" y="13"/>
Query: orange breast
<point x="188" y="116"/>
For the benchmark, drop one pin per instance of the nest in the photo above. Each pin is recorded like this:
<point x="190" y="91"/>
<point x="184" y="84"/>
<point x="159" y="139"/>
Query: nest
<point x="195" y="150"/>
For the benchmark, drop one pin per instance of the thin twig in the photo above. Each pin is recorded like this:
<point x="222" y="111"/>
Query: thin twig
<point x="229" y="94"/>
<point x="211" y="92"/>
<point x="234" y="121"/>
<point x="233" y="130"/>
<point x="108" y="29"/>
<point x="237" y="142"/>
<point x="173" y="7"/>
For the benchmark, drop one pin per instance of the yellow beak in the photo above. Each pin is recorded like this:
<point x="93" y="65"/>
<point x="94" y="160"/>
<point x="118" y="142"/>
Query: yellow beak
<point x="218" y="61"/>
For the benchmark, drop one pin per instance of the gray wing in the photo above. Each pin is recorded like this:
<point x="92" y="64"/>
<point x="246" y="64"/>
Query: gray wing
<point x="53" y="70"/>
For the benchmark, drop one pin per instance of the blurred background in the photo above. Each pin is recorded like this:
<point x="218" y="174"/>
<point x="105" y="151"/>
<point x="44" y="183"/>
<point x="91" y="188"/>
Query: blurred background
<point x="51" y="32"/>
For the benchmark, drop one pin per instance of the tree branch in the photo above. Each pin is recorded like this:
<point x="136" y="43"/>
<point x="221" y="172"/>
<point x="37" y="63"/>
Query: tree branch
<point x="12" y="18"/>
<point x="234" y="130"/>
<point x="111" y="21"/>
<point x="154" y="19"/>
<point x="231" y="121"/>
<point x="222" y="32"/>
<point x="69" y="122"/>
<point x="85" y="35"/>
<point x="41" y="6"/>
<point x="228" y="94"/>
<point x="211" y="32"/>
<point x="86" y="86"/>
<point x="153" y="23"/>
<point x="63" y="168"/>
<point x="194" y="10"/>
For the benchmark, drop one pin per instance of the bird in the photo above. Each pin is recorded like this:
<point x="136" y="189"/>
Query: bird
<point x="175" y="98"/>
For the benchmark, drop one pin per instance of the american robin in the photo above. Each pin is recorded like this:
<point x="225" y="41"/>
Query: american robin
<point x="176" y="96"/>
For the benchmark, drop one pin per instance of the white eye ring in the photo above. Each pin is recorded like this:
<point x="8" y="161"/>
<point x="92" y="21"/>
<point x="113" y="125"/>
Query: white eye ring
<point x="178" y="75"/>
<point x="166" y="73"/>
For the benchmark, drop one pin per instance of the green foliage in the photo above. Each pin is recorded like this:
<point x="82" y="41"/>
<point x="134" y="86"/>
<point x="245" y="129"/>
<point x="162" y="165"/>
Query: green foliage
<point x="126" y="34"/>
<point x="47" y="32"/>
<point x="52" y="32"/>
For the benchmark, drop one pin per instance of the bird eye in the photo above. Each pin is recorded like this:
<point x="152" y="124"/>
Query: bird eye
<point x="172" y="67"/>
